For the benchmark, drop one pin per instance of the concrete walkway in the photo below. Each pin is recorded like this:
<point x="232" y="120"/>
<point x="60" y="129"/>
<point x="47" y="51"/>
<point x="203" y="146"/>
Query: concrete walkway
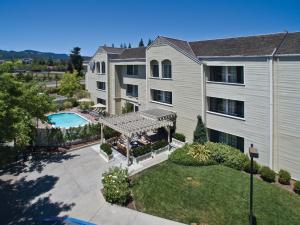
<point x="69" y="184"/>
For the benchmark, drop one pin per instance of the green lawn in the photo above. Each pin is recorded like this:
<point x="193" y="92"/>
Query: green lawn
<point x="213" y="195"/>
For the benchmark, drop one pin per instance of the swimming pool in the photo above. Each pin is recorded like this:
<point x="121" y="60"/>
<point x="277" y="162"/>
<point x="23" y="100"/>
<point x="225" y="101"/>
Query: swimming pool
<point x="67" y="120"/>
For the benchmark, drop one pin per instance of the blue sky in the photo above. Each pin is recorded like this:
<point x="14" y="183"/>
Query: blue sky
<point x="59" y="25"/>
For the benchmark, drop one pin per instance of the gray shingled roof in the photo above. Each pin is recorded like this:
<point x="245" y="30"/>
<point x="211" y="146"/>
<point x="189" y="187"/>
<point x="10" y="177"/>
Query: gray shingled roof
<point x="113" y="50"/>
<point x="290" y="45"/>
<point x="240" y="46"/>
<point x="133" y="53"/>
<point x="183" y="45"/>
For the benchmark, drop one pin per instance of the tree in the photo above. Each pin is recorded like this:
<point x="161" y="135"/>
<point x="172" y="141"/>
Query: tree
<point x="112" y="45"/>
<point x="76" y="60"/>
<point x="124" y="45"/>
<point x="7" y="67"/>
<point x="129" y="45"/>
<point x="20" y="103"/>
<point x="149" y="42"/>
<point x="200" y="135"/>
<point x="69" y="84"/>
<point x="121" y="45"/>
<point x="141" y="43"/>
<point x="70" y="67"/>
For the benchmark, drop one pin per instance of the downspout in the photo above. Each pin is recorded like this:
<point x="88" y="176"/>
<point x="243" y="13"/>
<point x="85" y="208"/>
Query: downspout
<point x="271" y="105"/>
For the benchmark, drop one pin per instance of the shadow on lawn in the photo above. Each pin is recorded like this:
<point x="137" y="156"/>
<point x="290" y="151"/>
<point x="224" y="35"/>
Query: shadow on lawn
<point x="16" y="206"/>
<point x="36" y="161"/>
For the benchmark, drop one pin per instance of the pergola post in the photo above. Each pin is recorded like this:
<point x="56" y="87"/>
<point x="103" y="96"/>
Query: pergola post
<point x="102" y="133"/>
<point x="169" y="135"/>
<point x="128" y="150"/>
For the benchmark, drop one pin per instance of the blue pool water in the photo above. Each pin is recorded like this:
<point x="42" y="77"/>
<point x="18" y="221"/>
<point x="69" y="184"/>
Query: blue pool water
<point x="67" y="120"/>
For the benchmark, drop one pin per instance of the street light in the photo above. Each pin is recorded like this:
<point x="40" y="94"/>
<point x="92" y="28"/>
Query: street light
<point x="253" y="154"/>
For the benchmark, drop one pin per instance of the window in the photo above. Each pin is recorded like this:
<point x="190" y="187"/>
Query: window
<point x="226" y="106"/>
<point x="228" y="74"/>
<point x="102" y="67"/>
<point x="154" y="68"/>
<point x="98" y="67"/>
<point x="161" y="96"/>
<point x="221" y="137"/>
<point x="92" y="66"/>
<point x="101" y="85"/>
<point x="132" y="69"/>
<point x="101" y="101"/>
<point x="167" y="69"/>
<point x="132" y="90"/>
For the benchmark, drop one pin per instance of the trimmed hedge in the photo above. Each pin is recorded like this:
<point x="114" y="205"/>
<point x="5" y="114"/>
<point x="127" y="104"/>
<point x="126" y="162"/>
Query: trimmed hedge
<point x="297" y="187"/>
<point x="215" y="153"/>
<point x="141" y="150"/>
<point x="247" y="167"/>
<point x="284" y="177"/>
<point x="159" y="144"/>
<point x="267" y="174"/>
<point x="106" y="148"/>
<point x="179" y="137"/>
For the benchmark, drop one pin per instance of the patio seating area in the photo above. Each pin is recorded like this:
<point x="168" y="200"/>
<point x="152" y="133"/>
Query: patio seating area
<point x="138" y="129"/>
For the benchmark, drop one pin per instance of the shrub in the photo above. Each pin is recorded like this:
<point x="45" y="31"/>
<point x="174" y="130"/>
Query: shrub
<point x="200" y="132"/>
<point x="67" y="104"/>
<point x="159" y="144"/>
<point x="267" y="174"/>
<point x="142" y="150"/>
<point x="284" y="177"/>
<point x="297" y="187"/>
<point x="247" y="167"/>
<point x="116" y="186"/>
<point x="179" y="137"/>
<point x="180" y="156"/>
<point x="106" y="148"/>
<point x="85" y="105"/>
<point x="201" y="153"/>
<point x="227" y="155"/>
<point x="74" y="102"/>
<point x="109" y="133"/>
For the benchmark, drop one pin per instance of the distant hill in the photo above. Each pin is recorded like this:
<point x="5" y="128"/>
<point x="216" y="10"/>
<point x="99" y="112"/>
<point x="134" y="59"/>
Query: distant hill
<point x="31" y="54"/>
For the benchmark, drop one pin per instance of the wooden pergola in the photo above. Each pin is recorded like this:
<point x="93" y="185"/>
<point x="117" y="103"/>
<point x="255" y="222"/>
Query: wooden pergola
<point x="131" y="124"/>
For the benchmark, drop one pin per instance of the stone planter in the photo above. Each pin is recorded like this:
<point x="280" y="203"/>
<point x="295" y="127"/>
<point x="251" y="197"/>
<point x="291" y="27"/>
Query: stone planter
<point x="160" y="150"/>
<point x="106" y="157"/>
<point x="178" y="144"/>
<point x="142" y="157"/>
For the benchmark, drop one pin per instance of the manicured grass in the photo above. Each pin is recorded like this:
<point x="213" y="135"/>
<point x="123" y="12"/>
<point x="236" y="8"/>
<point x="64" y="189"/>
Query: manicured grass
<point x="214" y="195"/>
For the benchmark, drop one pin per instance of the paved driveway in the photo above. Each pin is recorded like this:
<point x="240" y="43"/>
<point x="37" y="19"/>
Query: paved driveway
<point x="58" y="185"/>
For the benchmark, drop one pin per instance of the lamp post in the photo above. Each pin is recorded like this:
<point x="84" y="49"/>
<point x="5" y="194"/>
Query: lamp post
<point x="253" y="154"/>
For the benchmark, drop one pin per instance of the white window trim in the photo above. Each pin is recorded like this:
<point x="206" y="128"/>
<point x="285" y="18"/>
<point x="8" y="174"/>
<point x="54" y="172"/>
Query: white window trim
<point x="226" y="115"/>
<point x="226" y="74"/>
<point x="163" y="96"/>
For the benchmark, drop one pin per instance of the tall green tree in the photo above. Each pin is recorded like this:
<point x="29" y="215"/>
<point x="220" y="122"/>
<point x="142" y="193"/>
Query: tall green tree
<point x="129" y="45"/>
<point x="20" y="105"/>
<point x="141" y="43"/>
<point x="149" y="42"/>
<point x="69" y="84"/>
<point x="200" y="135"/>
<point x="76" y="60"/>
